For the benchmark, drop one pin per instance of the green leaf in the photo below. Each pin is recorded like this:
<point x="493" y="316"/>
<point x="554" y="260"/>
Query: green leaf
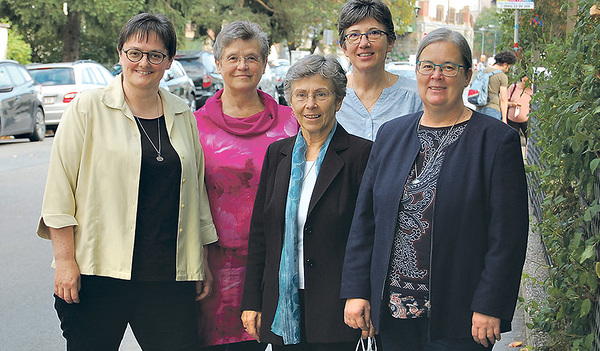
<point x="598" y="269"/>
<point x="589" y="252"/>
<point x="595" y="162"/>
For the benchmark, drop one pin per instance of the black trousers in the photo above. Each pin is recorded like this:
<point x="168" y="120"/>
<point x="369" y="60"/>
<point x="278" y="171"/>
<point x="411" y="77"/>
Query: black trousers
<point x="306" y="346"/>
<point x="162" y="315"/>
<point x="412" y="335"/>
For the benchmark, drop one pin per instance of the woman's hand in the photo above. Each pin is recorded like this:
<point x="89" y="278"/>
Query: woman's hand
<point x="485" y="328"/>
<point x="204" y="287"/>
<point x="357" y="315"/>
<point x="251" y="321"/>
<point x="67" y="278"/>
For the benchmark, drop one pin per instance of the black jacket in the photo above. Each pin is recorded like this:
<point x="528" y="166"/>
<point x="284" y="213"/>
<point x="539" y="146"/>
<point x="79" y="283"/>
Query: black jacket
<point x="325" y="235"/>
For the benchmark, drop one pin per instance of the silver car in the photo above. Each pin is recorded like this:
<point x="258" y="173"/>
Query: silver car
<point x="180" y="84"/>
<point x="61" y="82"/>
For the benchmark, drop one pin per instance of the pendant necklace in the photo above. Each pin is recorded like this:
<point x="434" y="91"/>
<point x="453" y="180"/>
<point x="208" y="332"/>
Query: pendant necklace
<point x="158" y="150"/>
<point x="308" y="172"/>
<point x="436" y="152"/>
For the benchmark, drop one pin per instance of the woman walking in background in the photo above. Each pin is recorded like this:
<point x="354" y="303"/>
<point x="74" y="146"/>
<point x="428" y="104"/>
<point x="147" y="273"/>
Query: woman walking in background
<point x="235" y="125"/>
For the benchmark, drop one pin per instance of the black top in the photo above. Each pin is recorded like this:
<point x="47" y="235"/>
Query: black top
<point x="155" y="245"/>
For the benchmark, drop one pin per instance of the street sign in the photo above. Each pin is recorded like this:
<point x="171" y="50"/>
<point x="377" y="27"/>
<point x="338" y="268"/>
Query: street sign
<point x="515" y="4"/>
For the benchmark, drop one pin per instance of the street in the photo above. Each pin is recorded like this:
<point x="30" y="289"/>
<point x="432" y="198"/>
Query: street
<point x="27" y="317"/>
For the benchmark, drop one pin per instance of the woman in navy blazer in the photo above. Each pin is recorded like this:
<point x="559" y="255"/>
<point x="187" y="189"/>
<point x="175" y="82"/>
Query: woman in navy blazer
<point x="439" y="234"/>
<point x="309" y="240"/>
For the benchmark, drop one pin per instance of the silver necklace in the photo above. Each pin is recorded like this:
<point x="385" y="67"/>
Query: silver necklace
<point x="158" y="150"/>
<point x="308" y="172"/>
<point x="436" y="151"/>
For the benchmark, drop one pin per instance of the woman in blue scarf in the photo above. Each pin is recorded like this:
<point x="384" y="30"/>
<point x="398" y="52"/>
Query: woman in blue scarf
<point x="301" y="219"/>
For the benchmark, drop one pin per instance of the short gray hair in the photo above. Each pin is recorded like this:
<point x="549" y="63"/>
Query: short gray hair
<point x="326" y="67"/>
<point x="244" y="30"/>
<point x="447" y="35"/>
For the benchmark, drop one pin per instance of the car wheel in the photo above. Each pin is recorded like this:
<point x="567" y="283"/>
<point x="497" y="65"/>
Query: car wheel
<point x="39" y="127"/>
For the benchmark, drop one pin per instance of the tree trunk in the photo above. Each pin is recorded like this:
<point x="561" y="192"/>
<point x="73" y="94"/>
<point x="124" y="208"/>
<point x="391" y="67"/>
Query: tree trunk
<point x="72" y="36"/>
<point x="571" y="15"/>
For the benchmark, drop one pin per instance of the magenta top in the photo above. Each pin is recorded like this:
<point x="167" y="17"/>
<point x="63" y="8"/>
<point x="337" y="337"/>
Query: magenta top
<point x="234" y="149"/>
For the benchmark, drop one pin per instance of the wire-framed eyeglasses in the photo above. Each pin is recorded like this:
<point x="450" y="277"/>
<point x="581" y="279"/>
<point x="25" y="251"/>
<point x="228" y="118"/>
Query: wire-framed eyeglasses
<point x="154" y="57"/>
<point x="448" y="69"/>
<point x="320" y="96"/>
<point x="372" y="35"/>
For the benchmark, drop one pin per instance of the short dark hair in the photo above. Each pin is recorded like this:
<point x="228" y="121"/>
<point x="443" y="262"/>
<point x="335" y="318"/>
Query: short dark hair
<point x="355" y="11"/>
<point x="145" y="23"/>
<point x="506" y="56"/>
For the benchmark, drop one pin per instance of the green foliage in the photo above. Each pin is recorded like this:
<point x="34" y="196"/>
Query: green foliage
<point x="17" y="48"/>
<point x="568" y="125"/>
<point x="489" y="20"/>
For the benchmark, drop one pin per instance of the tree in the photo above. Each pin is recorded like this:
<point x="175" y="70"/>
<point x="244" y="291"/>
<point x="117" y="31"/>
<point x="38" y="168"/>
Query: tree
<point x="17" y="48"/>
<point x="81" y="29"/>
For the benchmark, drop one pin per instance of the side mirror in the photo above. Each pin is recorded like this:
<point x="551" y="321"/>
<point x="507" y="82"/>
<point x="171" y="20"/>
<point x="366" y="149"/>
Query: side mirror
<point x="6" y="88"/>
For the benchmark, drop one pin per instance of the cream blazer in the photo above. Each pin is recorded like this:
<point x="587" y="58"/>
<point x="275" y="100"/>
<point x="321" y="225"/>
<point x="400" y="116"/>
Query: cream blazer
<point x="93" y="180"/>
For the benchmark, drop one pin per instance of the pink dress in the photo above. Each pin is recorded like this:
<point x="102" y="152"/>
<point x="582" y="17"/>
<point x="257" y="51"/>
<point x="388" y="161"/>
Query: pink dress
<point x="234" y="149"/>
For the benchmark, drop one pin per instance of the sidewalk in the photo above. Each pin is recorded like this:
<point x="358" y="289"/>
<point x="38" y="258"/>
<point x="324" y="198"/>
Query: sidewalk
<point x="535" y="266"/>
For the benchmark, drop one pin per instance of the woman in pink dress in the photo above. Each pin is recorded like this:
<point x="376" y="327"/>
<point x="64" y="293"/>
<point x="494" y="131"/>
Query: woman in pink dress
<point x="236" y="125"/>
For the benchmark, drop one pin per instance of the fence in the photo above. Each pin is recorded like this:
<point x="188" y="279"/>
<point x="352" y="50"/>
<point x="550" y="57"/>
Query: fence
<point x="536" y="197"/>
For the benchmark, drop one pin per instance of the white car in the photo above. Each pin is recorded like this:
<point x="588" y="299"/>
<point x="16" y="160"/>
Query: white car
<point x="61" y="82"/>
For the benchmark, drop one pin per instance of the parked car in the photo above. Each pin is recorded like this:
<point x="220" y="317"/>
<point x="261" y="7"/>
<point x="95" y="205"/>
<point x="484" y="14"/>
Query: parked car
<point x="206" y="83"/>
<point x="21" y="104"/>
<point x="403" y="69"/>
<point x="180" y="84"/>
<point x="279" y="72"/>
<point x="61" y="82"/>
<point x="268" y="83"/>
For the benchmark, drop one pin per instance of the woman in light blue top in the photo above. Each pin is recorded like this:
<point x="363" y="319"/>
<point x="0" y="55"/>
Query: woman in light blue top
<point x="374" y="96"/>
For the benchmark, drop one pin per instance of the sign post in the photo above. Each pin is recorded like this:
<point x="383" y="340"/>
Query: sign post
<point x="516" y="5"/>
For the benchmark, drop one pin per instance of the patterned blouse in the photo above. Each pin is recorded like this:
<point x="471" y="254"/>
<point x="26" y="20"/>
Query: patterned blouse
<point x="408" y="276"/>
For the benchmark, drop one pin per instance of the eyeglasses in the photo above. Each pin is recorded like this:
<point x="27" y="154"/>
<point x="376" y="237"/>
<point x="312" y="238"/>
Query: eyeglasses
<point x="154" y="57"/>
<point x="448" y="69"/>
<point x="248" y="60"/>
<point x="320" y="96"/>
<point x="372" y="35"/>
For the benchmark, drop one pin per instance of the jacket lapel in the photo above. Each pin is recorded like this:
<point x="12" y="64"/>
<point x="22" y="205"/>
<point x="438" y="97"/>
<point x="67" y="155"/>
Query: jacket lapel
<point x="282" y="181"/>
<point x="331" y="166"/>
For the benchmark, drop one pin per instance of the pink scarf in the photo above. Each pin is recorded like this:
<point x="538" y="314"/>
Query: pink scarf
<point x="248" y="126"/>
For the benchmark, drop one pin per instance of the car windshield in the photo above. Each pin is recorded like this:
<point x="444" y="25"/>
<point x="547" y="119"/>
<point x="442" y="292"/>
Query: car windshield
<point x="53" y="76"/>
<point x="192" y="66"/>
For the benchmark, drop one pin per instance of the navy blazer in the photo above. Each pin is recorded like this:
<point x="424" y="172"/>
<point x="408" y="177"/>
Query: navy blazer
<point x="325" y="234"/>
<point x="480" y="225"/>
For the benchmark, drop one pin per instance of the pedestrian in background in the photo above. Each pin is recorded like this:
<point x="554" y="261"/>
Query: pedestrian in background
<point x="519" y="97"/>
<point x="439" y="235"/>
<point x="125" y="205"/>
<point x="497" y="106"/>
<point x="374" y="95"/>
<point x="301" y="219"/>
<point x="235" y="125"/>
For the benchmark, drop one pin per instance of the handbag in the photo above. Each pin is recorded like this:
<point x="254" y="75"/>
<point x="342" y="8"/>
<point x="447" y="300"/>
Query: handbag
<point x="371" y="345"/>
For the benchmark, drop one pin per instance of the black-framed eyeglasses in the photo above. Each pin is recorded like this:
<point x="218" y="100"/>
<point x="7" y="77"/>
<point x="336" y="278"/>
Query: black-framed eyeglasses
<point x="372" y="35"/>
<point x="154" y="57"/>
<point x="448" y="69"/>
<point x="320" y="96"/>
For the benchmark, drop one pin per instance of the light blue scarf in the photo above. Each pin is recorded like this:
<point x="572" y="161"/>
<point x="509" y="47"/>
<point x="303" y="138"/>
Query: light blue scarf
<point x="287" y="317"/>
